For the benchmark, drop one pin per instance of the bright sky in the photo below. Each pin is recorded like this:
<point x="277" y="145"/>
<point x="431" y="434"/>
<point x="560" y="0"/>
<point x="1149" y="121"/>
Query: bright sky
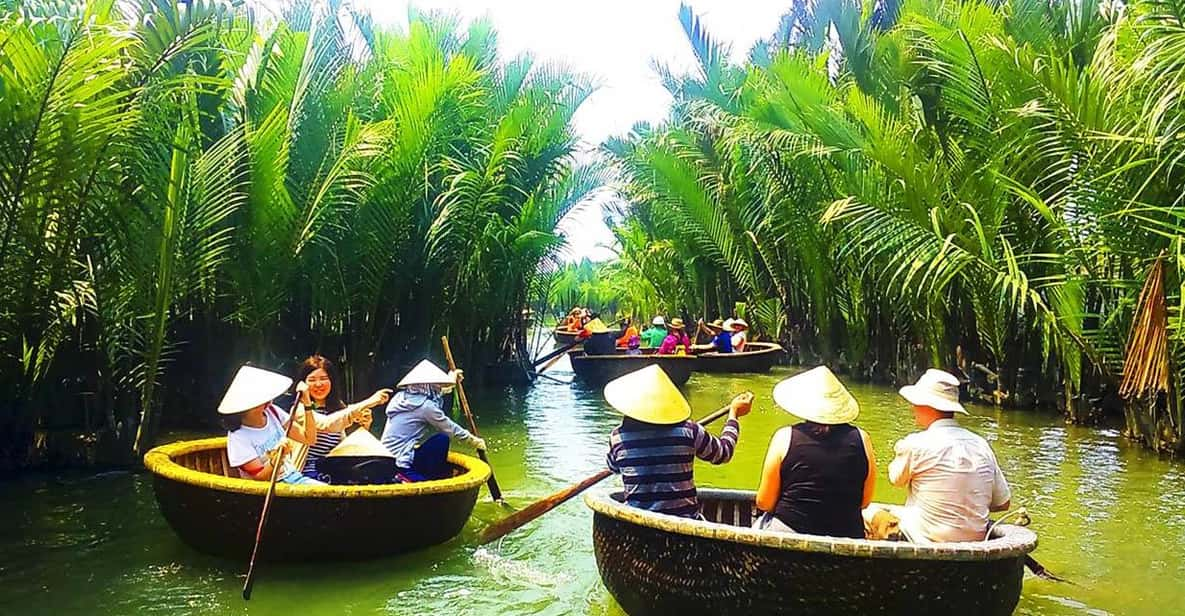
<point x="615" y="41"/>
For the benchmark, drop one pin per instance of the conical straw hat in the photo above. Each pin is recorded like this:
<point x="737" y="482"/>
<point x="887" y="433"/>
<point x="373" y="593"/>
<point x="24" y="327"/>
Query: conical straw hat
<point x="816" y="395"/>
<point x="597" y="326"/>
<point x="648" y="395"/>
<point x="426" y="373"/>
<point x="360" y="444"/>
<point x="250" y="388"/>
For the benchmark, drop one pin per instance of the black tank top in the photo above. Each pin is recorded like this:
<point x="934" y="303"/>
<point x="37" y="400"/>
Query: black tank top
<point x="823" y="482"/>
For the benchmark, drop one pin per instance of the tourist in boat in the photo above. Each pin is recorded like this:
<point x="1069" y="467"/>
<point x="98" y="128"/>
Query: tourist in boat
<point x="572" y="321"/>
<point x="674" y="338"/>
<point x="629" y="332"/>
<point x="819" y="474"/>
<point x="652" y="337"/>
<point x="721" y="339"/>
<point x="656" y="444"/>
<point x="598" y="339"/>
<point x="951" y="473"/>
<point x="740" y="333"/>
<point x="333" y="416"/>
<point x="415" y="411"/>
<point x="255" y="438"/>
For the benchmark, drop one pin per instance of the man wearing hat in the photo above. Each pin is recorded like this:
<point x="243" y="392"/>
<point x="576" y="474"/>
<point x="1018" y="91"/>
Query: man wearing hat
<point x="414" y="411"/>
<point x="740" y="333"/>
<point x="952" y="475"/>
<point x="255" y="437"/>
<point x="721" y="339"/>
<point x="653" y="335"/>
<point x="655" y="447"/>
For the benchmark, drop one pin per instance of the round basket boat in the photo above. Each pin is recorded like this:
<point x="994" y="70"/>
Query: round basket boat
<point x="566" y="336"/>
<point x="657" y="564"/>
<point x="758" y="357"/>
<point x="217" y="513"/>
<point x="600" y="369"/>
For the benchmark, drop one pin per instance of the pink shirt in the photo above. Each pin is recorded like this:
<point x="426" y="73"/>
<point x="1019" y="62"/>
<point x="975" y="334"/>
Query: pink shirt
<point x="671" y="342"/>
<point x="953" y="481"/>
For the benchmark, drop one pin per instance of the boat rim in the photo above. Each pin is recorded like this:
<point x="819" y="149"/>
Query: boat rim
<point x="159" y="461"/>
<point x="650" y="357"/>
<point x="769" y="347"/>
<point x="1015" y="542"/>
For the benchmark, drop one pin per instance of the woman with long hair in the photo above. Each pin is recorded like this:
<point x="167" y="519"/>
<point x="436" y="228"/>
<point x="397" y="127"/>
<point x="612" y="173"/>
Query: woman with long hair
<point x="333" y="416"/>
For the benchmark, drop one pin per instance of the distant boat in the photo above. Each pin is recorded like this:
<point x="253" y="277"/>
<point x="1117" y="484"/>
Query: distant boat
<point x="215" y="511"/>
<point x="600" y="369"/>
<point x="659" y="564"/>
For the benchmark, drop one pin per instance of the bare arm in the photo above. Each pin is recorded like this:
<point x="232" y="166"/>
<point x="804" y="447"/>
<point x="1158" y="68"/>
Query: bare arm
<point x="870" y="479"/>
<point x="771" y="471"/>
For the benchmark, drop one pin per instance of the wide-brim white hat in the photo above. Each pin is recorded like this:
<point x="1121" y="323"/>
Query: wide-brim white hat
<point x="731" y="323"/>
<point x="648" y="395"/>
<point x="250" y="388"/>
<point x="936" y="389"/>
<point x="360" y="444"/>
<point x="658" y="321"/>
<point x="426" y="373"/>
<point x="816" y="395"/>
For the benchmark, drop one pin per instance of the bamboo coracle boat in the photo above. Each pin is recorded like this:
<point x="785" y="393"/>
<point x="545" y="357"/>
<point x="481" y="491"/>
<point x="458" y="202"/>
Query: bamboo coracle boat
<point x="657" y="564"/>
<point x="216" y="512"/>
<point x="567" y="336"/>
<point x="758" y="357"/>
<point x="600" y="369"/>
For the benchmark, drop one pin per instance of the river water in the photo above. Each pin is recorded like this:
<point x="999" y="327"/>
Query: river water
<point x="1109" y="516"/>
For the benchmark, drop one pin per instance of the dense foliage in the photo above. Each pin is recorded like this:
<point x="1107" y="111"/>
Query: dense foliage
<point x="891" y="185"/>
<point x="186" y="186"/>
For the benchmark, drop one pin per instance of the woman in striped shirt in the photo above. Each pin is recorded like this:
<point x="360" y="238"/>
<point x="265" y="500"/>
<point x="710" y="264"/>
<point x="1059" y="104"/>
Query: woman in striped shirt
<point x="333" y="416"/>
<point x="655" y="447"/>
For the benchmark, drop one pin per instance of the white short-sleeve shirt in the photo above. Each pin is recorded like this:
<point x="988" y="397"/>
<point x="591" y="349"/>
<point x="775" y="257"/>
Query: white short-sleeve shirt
<point x="247" y="443"/>
<point x="953" y="481"/>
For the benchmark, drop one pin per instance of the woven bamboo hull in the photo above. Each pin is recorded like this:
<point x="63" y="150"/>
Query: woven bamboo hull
<point x="218" y="515"/>
<point x="760" y="357"/>
<point x="600" y="369"/>
<point x="654" y="564"/>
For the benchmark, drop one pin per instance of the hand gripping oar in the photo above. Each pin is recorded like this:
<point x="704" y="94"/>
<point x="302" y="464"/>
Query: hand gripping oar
<point x="271" y="492"/>
<point x="515" y="520"/>
<point x="492" y="483"/>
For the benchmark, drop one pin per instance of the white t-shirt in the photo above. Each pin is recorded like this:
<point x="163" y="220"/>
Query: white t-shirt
<point x="247" y="443"/>
<point x="953" y="481"/>
<point x="739" y="339"/>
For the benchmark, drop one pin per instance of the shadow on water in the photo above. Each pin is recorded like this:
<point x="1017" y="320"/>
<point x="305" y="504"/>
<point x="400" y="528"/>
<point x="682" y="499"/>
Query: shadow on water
<point x="1109" y="517"/>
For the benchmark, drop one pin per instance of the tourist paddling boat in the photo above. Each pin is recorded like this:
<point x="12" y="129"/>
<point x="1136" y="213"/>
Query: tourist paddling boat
<point x="757" y="357"/>
<point x="600" y="369"/>
<point x="658" y="564"/>
<point x="216" y="512"/>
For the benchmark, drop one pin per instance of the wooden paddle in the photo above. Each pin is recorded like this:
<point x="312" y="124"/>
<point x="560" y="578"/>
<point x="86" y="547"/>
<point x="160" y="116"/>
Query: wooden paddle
<point x="271" y="492"/>
<point x="506" y="525"/>
<point x="492" y="483"/>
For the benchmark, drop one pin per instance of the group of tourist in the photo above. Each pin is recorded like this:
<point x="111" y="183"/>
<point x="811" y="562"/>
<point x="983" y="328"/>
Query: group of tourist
<point x="416" y="436"/>
<point x="819" y="475"/>
<point x="666" y="337"/>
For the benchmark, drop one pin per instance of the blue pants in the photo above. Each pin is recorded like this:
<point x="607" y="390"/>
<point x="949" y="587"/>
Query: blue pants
<point x="297" y="479"/>
<point x="430" y="461"/>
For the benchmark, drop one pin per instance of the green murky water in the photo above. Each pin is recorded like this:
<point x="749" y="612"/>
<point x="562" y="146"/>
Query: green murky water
<point x="1110" y="517"/>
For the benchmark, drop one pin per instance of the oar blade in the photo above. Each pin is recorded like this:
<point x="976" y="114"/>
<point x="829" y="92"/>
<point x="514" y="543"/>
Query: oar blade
<point x="510" y="523"/>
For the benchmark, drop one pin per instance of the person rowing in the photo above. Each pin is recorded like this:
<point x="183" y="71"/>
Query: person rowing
<point x="255" y="436"/>
<point x="598" y="338"/>
<point x="655" y="446"/>
<point x="416" y="410"/>
<point x="721" y="340"/>
<point x="675" y="337"/>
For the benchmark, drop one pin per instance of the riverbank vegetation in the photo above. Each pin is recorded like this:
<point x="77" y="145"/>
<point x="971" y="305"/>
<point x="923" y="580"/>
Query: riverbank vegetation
<point x="892" y="185"/>
<point x="187" y="186"/>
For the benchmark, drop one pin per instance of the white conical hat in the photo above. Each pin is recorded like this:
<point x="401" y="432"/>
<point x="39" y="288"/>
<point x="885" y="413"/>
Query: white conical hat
<point x="426" y="373"/>
<point x="816" y="395"/>
<point x="251" y="388"/>
<point x="360" y="444"/>
<point x="648" y="395"/>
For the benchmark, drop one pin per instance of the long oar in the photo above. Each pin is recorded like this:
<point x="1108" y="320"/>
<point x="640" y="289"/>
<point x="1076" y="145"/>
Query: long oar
<point x="492" y="483"/>
<point x="555" y="355"/>
<point x="267" y="500"/>
<point x="515" y="520"/>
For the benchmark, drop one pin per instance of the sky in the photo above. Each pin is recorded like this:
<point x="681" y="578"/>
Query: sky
<point x="616" y="42"/>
